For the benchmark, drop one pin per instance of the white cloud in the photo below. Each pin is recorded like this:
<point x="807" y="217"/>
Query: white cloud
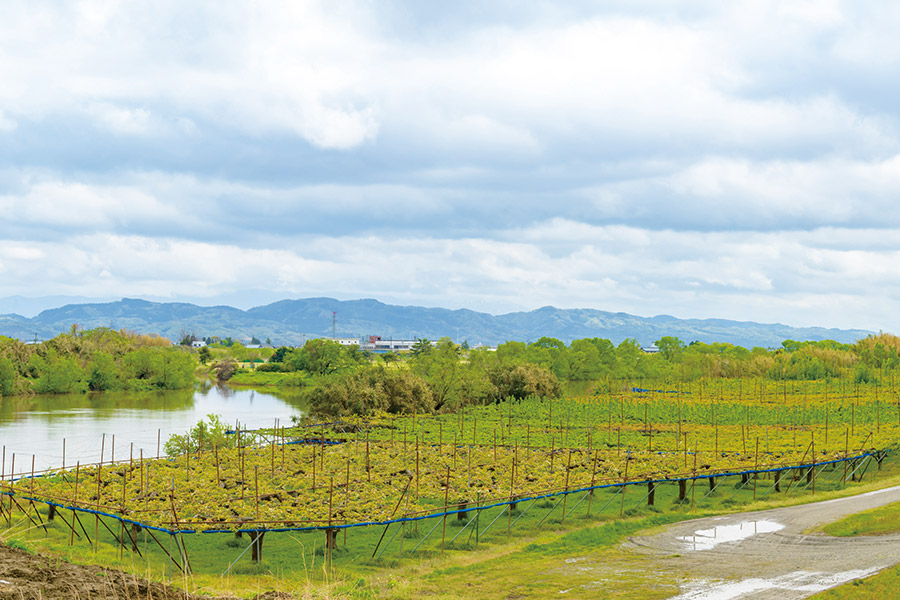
<point x="6" y="124"/>
<point x="332" y="75"/>
<point x="122" y="120"/>
<point x="76" y="206"/>
<point x="794" y="275"/>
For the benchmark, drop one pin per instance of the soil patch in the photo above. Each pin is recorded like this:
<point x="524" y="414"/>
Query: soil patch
<point x="25" y="576"/>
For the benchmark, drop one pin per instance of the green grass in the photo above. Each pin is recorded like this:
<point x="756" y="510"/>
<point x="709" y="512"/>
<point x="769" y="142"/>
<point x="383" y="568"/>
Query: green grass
<point x="878" y="521"/>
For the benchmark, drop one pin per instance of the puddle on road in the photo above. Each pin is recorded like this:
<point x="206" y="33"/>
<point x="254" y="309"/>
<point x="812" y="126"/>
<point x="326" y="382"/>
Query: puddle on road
<point x="800" y="581"/>
<point x="707" y="539"/>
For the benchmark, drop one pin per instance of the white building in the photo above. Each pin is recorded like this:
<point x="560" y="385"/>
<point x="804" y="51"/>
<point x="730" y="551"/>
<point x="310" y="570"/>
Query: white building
<point x="374" y="343"/>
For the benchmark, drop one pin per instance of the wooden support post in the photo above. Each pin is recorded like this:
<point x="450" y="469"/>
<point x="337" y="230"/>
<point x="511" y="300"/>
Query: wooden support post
<point x="135" y="530"/>
<point x="331" y="539"/>
<point x="256" y="541"/>
<point x="755" y="468"/>
<point x="682" y="490"/>
<point x="566" y="496"/>
<point x="256" y="489"/>
<point x="651" y="492"/>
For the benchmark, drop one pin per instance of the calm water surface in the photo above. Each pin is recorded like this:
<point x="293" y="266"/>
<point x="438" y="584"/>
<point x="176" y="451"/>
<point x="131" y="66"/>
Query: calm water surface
<point x="37" y="425"/>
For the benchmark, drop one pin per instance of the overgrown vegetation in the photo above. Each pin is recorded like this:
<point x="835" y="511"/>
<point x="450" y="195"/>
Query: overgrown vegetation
<point x="93" y="360"/>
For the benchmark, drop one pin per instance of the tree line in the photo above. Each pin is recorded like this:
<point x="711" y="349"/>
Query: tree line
<point x="444" y="376"/>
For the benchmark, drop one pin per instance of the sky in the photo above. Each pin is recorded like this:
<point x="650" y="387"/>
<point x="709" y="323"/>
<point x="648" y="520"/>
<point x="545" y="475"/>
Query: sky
<point x="735" y="160"/>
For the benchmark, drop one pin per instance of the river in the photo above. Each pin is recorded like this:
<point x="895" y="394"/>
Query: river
<point x="41" y="426"/>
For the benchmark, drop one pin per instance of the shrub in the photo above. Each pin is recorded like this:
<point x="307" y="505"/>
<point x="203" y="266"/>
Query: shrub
<point x="522" y="381"/>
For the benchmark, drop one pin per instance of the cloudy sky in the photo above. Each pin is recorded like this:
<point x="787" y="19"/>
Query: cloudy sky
<point x="701" y="159"/>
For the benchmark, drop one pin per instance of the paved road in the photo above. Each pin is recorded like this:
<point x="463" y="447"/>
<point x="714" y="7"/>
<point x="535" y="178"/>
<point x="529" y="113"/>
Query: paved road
<point x="766" y="554"/>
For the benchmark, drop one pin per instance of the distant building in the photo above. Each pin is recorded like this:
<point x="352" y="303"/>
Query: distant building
<point x="198" y="344"/>
<point x="347" y="341"/>
<point x="483" y="347"/>
<point x="651" y="349"/>
<point x="374" y="343"/>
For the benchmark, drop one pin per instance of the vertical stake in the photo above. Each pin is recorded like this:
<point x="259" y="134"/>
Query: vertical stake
<point x="74" y="502"/>
<point x="256" y="486"/>
<point x="446" y="508"/>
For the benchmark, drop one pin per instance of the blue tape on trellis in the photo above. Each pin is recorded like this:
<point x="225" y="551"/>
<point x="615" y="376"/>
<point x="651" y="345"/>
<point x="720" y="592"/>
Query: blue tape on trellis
<point x="446" y="513"/>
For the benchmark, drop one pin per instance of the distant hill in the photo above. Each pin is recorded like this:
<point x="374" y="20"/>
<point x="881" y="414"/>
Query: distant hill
<point x="293" y="321"/>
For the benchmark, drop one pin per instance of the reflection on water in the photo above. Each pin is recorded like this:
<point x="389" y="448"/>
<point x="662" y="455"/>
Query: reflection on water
<point x="37" y="425"/>
<point x="707" y="539"/>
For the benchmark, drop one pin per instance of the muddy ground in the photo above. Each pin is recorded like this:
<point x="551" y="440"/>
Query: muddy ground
<point x="25" y="576"/>
<point x="771" y="553"/>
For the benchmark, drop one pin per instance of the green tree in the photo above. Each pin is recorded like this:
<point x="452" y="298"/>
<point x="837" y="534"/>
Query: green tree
<point x="670" y="348"/>
<point x="7" y="377"/>
<point x="204" y="355"/>
<point x="440" y="366"/>
<point x="60" y="376"/>
<point x="319" y="356"/>
<point x="104" y="373"/>
<point x="205" y="435"/>
<point x="279" y="355"/>
<point x="586" y="362"/>
<point x="422" y="346"/>
<point x="510" y="352"/>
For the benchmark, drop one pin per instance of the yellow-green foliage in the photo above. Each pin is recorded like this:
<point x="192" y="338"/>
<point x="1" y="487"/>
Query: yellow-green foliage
<point x="489" y="453"/>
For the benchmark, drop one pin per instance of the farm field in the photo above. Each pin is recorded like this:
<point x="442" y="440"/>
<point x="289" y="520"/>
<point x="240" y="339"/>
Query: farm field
<point x="326" y="501"/>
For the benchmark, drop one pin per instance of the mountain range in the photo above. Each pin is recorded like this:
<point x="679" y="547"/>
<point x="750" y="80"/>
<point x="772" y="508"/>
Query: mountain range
<point x="291" y="322"/>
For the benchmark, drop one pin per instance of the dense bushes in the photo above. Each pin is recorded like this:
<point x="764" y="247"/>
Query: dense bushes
<point x="402" y="389"/>
<point x="7" y="377"/>
<point x="95" y="360"/>
<point x="522" y="381"/>
<point x="373" y="389"/>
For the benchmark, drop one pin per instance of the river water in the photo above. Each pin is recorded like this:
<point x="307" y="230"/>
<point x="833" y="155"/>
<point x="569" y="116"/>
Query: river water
<point x="36" y="426"/>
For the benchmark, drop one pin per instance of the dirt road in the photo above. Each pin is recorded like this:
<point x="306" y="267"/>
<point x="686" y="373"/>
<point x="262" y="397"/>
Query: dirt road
<point x="767" y="554"/>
